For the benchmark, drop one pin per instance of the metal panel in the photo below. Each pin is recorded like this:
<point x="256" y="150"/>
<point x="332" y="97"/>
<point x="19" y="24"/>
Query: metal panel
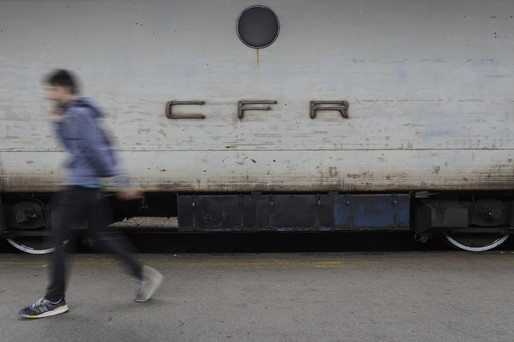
<point x="325" y="212"/>
<point x="380" y="211"/>
<point x="301" y="212"/>
<point x="290" y="212"/>
<point x="343" y="212"/>
<point x="426" y="81"/>
<point x="211" y="213"/>
<point x="373" y="211"/>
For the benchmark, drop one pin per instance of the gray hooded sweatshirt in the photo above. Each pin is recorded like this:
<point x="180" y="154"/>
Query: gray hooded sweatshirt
<point x="92" y="155"/>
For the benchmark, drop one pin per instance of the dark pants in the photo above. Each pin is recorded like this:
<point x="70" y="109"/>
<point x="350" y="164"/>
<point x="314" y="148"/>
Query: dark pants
<point x="76" y="206"/>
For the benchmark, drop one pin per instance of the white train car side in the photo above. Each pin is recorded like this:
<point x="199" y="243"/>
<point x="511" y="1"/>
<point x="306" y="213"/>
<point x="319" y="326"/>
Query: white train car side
<point x="243" y="110"/>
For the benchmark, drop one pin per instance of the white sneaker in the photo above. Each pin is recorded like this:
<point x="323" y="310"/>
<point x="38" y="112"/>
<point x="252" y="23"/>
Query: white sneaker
<point x="150" y="283"/>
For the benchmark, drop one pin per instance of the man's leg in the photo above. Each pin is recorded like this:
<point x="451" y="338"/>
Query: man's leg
<point x="69" y="213"/>
<point x="147" y="279"/>
<point x="110" y="240"/>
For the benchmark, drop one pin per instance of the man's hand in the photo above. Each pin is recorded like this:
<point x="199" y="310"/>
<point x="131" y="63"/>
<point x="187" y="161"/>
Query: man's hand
<point x="128" y="194"/>
<point x="56" y="115"/>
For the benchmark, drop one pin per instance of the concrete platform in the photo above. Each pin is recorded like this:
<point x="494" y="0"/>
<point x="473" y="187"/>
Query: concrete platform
<point x="441" y="296"/>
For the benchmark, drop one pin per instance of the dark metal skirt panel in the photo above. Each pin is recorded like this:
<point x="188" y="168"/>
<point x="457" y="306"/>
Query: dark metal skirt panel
<point x="297" y="212"/>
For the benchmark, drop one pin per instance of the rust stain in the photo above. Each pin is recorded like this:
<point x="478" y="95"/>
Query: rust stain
<point x="332" y="171"/>
<point x="257" y="53"/>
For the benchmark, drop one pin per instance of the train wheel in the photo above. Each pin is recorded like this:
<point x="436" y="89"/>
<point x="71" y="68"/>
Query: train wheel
<point x="474" y="242"/>
<point x="32" y="244"/>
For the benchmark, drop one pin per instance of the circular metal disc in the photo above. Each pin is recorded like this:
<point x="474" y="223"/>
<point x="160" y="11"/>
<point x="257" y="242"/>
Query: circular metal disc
<point x="258" y="27"/>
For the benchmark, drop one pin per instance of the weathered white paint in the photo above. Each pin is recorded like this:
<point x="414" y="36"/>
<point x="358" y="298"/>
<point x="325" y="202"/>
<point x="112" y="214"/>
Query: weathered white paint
<point x="430" y="87"/>
<point x="355" y="170"/>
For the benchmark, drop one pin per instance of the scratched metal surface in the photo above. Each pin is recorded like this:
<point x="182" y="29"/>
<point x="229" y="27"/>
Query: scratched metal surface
<point x="429" y="86"/>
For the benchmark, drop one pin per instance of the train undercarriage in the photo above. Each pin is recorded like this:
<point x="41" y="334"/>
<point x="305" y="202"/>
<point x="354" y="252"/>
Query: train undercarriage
<point x="470" y="221"/>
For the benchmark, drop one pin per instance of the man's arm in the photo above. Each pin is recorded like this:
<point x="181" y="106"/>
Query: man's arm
<point x="95" y="147"/>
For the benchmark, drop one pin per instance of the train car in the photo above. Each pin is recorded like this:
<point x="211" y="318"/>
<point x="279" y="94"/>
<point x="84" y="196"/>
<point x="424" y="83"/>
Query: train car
<point x="283" y="115"/>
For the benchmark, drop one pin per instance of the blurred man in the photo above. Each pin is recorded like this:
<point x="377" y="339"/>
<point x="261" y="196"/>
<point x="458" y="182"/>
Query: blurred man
<point x="92" y="157"/>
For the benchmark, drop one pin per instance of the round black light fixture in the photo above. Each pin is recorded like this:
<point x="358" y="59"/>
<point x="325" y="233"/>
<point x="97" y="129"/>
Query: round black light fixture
<point x="257" y="27"/>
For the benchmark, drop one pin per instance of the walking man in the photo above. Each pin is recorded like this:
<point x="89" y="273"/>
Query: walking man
<point x="92" y="157"/>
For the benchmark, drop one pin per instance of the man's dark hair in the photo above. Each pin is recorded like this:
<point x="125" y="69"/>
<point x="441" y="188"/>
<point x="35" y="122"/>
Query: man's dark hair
<point x="63" y="78"/>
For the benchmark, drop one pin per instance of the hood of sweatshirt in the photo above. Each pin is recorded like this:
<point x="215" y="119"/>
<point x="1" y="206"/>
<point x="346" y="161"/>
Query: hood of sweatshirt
<point x="85" y="102"/>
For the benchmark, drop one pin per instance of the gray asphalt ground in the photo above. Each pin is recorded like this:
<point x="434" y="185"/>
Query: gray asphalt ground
<point x="413" y="296"/>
